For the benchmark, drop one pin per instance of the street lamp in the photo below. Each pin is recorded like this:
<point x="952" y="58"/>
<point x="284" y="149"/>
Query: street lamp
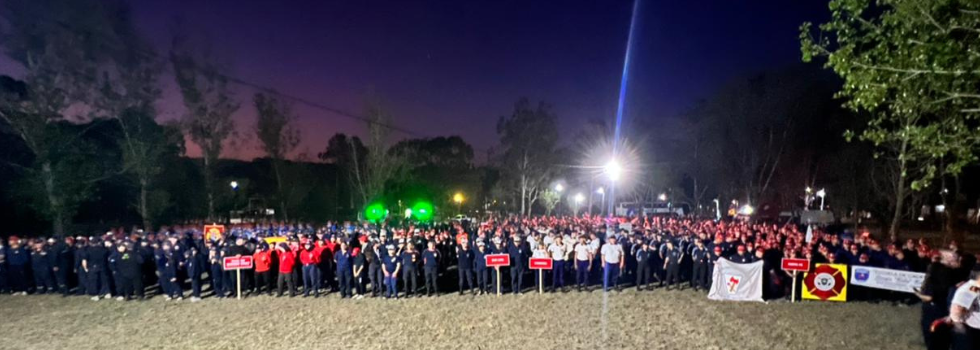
<point x="578" y="199"/>
<point x="602" y="192"/>
<point x="234" y="185"/>
<point x="717" y="209"/>
<point x="458" y="198"/>
<point x="662" y="197"/>
<point x="822" y="194"/>
<point x="559" y="188"/>
<point x="613" y="170"/>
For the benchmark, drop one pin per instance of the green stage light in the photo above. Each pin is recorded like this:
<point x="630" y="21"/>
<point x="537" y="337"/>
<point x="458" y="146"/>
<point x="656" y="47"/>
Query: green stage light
<point x="423" y="211"/>
<point x="375" y="212"/>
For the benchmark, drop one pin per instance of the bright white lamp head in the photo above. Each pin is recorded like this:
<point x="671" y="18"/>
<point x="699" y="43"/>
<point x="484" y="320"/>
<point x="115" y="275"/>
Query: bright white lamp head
<point x="613" y="170"/>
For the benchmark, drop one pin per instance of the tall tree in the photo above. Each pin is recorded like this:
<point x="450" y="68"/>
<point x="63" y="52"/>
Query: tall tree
<point x="528" y="138"/>
<point x="277" y="133"/>
<point x="549" y="200"/>
<point x="912" y="65"/>
<point x="210" y="106"/>
<point x="65" y="46"/>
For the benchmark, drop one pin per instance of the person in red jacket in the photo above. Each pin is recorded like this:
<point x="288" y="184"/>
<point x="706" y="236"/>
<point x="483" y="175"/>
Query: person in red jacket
<point x="287" y="260"/>
<point x="263" y="273"/>
<point x="310" y="258"/>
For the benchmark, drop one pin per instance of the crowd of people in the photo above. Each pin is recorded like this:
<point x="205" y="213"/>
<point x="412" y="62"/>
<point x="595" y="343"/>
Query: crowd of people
<point x="588" y="252"/>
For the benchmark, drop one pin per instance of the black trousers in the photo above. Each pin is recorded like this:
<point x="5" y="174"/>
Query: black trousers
<point x="467" y="276"/>
<point x="965" y="337"/>
<point x="700" y="276"/>
<point x="516" y="279"/>
<point x="377" y="277"/>
<point x="642" y="275"/>
<point x="18" y="278"/>
<point x="410" y="277"/>
<point x="431" y="275"/>
<point x="345" y="278"/>
<point x="673" y="274"/>
<point x="481" y="280"/>
<point x="940" y="338"/>
<point x="287" y="279"/>
<point x="129" y="286"/>
<point x="61" y="277"/>
<point x="263" y="281"/>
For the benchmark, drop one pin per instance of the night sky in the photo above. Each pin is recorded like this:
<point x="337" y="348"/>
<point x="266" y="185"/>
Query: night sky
<point x="454" y="67"/>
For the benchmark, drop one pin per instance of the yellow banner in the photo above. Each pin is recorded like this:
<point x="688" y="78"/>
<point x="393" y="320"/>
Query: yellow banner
<point x="826" y="282"/>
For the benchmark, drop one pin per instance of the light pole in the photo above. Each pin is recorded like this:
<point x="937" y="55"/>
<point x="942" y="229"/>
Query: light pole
<point x="579" y="198"/>
<point x="458" y="198"/>
<point x="602" y="192"/>
<point x="717" y="209"/>
<point x="822" y="193"/>
<point x="613" y="171"/>
<point x="559" y="188"/>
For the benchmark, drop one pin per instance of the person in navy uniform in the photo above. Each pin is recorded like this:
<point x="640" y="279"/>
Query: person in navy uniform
<point x="519" y="253"/>
<point x="464" y="267"/>
<point x="127" y="267"/>
<point x="42" y="262"/>
<point x="390" y="267"/>
<point x="18" y="261"/>
<point x="215" y="260"/>
<point x="672" y="264"/>
<point x="64" y="256"/>
<point x="480" y="267"/>
<point x="94" y="264"/>
<point x="345" y="273"/>
<point x="498" y="247"/>
<point x="167" y="268"/>
<point x="643" y="265"/>
<point x="372" y="254"/>
<point x="699" y="263"/>
<point x="194" y="263"/>
<point x="409" y="261"/>
<point x="740" y="257"/>
<point x="81" y="248"/>
<point x="430" y="268"/>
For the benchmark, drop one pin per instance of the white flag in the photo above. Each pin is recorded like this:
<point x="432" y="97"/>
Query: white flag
<point x="739" y="282"/>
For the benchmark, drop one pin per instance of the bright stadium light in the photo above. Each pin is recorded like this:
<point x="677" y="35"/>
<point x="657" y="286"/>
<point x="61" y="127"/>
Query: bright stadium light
<point x="579" y="198"/>
<point x="613" y="170"/>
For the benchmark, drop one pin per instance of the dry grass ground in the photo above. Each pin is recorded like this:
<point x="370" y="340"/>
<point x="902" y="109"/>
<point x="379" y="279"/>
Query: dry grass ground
<point x="627" y="320"/>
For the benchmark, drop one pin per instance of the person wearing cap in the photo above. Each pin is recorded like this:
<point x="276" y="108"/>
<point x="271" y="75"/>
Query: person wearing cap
<point x="127" y="266"/>
<point x="519" y="253"/>
<point x="583" y="262"/>
<point x="94" y="264"/>
<point x="480" y="267"/>
<point x="699" y="266"/>
<point x="217" y="271"/>
<point x="613" y="262"/>
<point x="464" y="266"/>
<point x="430" y="268"/>
<point x="372" y="255"/>
<point x="358" y="279"/>
<point x="42" y="262"/>
<point x="287" y="261"/>
<point x="194" y="264"/>
<point x="310" y="258"/>
<point x="263" y="269"/>
<point x="167" y="269"/>
<point x="18" y="261"/>
<point x="672" y="264"/>
<point x="643" y="265"/>
<point x="558" y="253"/>
<point x="64" y="255"/>
<point x="740" y="256"/>
<point x="391" y="264"/>
<point x="81" y="247"/>
<point x="409" y="262"/>
<point x="345" y="273"/>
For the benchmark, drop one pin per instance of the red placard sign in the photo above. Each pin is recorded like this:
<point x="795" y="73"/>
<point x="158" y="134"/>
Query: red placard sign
<point x="540" y="264"/>
<point x="494" y="260"/>
<point x="796" y="264"/>
<point x="238" y="262"/>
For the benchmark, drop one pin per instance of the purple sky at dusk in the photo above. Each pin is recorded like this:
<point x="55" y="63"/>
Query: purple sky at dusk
<point x="454" y="67"/>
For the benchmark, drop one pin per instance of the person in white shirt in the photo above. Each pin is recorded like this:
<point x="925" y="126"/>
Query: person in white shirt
<point x="583" y="262"/>
<point x="964" y="314"/>
<point x="558" y="255"/>
<point x="612" y="263"/>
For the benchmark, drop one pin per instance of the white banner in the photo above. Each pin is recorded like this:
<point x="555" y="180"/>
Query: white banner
<point x="896" y="280"/>
<point x="739" y="282"/>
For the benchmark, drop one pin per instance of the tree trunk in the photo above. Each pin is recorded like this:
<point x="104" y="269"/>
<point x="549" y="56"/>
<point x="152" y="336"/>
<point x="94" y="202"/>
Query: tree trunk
<point x="209" y="187"/>
<point x="57" y="210"/>
<point x="899" y="195"/>
<point x="282" y="201"/>
<point x="144" y="208"/>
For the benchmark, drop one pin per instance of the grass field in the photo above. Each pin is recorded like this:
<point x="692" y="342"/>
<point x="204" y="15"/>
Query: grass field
<point x="592" y="320"/>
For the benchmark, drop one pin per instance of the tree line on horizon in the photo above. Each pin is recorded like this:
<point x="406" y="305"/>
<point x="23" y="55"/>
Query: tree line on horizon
<point x="889" y="123"/>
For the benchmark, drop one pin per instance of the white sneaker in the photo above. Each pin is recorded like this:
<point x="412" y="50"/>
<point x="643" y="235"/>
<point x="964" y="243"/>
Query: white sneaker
<point x="120" y="298"/>
<point x="179" y="298"/>
<point x="167" y="298"/>
<point x="195" y="299"/>
<point x="95" y="298"/>
<point x="108" y="296"/>
<point x="22" y="293"/>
